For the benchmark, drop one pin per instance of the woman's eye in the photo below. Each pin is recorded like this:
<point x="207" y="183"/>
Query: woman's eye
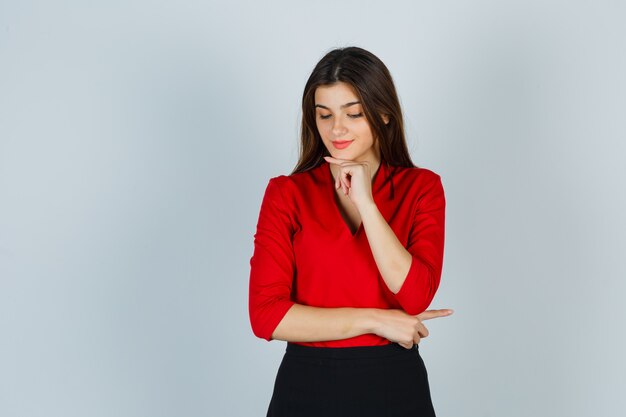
<point x="353" y="116"/>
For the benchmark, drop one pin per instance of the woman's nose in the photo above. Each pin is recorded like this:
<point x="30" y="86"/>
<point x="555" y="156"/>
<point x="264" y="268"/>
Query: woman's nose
<point x="339" y="129"/>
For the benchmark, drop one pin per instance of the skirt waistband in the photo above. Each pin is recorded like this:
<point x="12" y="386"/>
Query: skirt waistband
<point x="352" y="352"/>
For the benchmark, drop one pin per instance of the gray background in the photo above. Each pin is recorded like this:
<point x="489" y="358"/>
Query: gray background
<point x="137" y="138"/>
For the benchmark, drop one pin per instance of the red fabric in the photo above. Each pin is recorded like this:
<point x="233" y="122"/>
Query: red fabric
<point x="305" y="253"/>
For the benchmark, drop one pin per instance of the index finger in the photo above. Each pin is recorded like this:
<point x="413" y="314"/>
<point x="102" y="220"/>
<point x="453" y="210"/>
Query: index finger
<point x="336" y="160"/>
<point x="431" y="314"/>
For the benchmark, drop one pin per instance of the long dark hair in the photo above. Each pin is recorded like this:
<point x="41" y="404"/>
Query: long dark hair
<point x="374" y="87"/>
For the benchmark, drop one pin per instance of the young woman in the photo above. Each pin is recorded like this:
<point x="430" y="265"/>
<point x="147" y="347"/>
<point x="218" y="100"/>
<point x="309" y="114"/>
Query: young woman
<point x="348" y="253"/>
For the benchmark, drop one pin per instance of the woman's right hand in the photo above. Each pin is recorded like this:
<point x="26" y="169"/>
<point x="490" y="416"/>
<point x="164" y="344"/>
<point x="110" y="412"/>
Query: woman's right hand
<point x="402" y="328"/>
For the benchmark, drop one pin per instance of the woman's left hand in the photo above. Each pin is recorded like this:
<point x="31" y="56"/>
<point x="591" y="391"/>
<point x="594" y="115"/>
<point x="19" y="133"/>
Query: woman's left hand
<point x="355" y="179"/>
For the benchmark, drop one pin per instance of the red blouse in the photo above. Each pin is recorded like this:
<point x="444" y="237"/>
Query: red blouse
<point x="304" y="251"/>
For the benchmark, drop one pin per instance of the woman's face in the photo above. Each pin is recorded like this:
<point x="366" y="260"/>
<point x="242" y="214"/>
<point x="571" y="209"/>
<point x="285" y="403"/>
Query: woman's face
<point x="342" y="124"/>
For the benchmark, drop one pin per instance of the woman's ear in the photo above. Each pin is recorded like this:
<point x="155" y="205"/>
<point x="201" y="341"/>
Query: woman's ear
<point x="385" y="118"/>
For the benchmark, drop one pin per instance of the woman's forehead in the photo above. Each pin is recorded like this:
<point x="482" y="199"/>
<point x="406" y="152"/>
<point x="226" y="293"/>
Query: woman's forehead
<point x="337" y="95"/>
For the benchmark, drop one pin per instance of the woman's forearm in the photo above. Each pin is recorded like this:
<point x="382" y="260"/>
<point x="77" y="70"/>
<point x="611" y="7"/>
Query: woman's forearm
<point x="304" y="323"/>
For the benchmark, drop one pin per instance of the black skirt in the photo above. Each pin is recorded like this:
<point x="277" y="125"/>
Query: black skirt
<point x="380" y="381"/>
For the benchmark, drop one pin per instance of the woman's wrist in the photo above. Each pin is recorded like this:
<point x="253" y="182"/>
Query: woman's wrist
<point x="368" y="320"/>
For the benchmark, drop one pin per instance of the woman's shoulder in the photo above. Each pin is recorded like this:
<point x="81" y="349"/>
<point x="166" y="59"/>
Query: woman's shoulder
<point x="299" y="180"/>
<point x="290" y="190"/>
<point x="420" y="185"/>
<point x="417" y="175"/>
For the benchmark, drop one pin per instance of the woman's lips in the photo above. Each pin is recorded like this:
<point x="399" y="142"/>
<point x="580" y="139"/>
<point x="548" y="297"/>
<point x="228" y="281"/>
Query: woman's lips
<point x="340" y="144"/>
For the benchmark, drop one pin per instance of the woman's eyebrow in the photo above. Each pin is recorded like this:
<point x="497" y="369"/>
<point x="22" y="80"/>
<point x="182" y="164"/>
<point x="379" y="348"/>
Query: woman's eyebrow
<point x="342" y="106"/>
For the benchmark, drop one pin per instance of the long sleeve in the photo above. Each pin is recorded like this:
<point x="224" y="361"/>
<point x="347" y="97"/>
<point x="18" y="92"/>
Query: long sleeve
<point x="272" y="265"/>
<point x="426" y="245"/>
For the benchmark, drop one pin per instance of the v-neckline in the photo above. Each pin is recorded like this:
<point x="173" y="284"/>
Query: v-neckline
<point x="336" y="203"/>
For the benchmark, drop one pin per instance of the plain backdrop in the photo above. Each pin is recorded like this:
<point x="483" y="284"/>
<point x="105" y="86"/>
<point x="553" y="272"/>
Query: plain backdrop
<point x="136" y="141"/>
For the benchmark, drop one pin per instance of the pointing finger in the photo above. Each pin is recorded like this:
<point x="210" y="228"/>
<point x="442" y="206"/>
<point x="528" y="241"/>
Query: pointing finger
<point x="431" y="314"/>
